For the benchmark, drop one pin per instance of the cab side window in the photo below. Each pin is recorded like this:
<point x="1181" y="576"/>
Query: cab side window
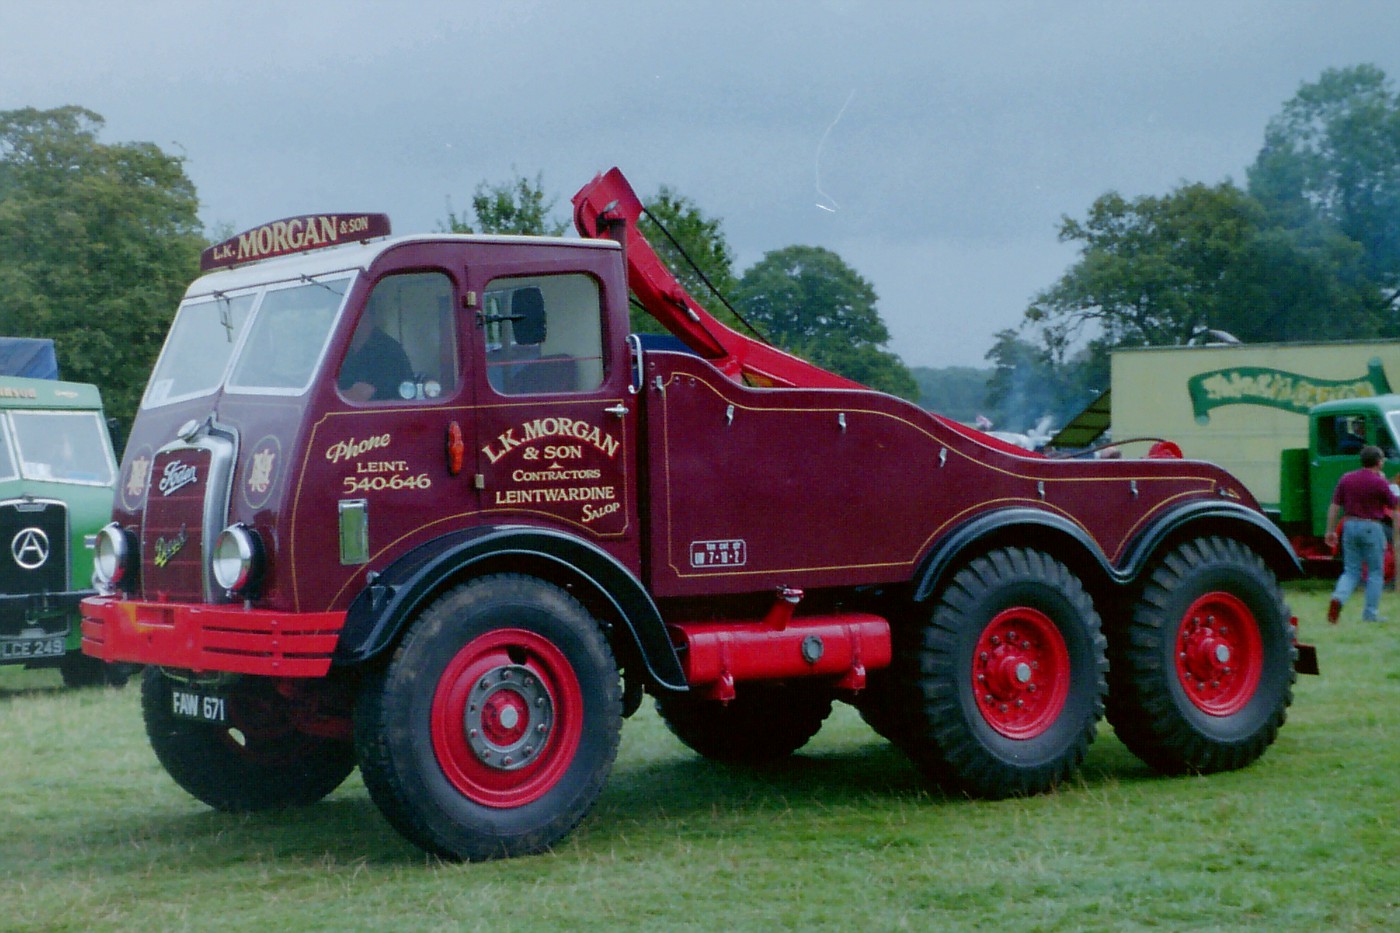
<point x="1342" y="435"/>
<point x="405" y="346"/>
<point x="544" y="334"/>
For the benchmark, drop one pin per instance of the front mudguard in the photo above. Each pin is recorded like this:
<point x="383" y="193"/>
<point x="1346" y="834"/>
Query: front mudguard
<point x="395" y="595"/>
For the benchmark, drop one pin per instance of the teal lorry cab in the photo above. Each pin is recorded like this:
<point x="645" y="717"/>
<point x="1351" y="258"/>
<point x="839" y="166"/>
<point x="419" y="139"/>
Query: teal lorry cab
<point x="57" y="473"/>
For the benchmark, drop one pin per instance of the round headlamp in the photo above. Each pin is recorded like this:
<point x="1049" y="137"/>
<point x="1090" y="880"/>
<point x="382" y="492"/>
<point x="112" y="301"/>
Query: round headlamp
<point x="112" y="556"/>
<point x="238" y="559"/>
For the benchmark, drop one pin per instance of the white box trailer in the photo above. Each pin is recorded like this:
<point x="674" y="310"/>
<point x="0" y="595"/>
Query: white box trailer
<point x="1242" y="405"/>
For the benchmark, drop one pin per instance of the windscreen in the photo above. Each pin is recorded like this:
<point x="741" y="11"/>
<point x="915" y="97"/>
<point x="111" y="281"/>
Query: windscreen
<point x="7" y="458"/>
<point x="62" y="447"/>
<point x="1390" y="438"/>
<point x="288" y="336"/>
<point x="197" y="352"/>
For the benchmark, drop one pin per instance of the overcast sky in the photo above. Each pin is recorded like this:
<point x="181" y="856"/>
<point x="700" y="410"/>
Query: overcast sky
<point x="934" y="146"/>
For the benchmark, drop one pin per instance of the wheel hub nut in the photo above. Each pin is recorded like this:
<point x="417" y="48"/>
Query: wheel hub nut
<point x="509" y="720"/>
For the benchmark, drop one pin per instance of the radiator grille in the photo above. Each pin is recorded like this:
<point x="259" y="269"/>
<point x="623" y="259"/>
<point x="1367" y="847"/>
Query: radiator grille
<point x="33" y="547"/>
<point x="172" y="537"/>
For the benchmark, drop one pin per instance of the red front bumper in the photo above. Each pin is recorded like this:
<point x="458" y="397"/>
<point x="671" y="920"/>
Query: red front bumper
<point x="204" y="637"/>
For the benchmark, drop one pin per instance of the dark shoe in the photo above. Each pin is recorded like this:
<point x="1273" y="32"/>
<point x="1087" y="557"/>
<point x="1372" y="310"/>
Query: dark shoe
<point x="1334" y="609"/>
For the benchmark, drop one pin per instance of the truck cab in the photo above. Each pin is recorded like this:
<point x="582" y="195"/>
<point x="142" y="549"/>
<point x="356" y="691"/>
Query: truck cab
<point x="1337" y="431"/>
<point x="57" y="473"/>
<point x="262" y="437"/>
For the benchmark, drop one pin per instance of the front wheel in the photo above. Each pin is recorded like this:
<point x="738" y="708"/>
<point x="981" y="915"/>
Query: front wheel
<point x="1005" y="681"/>
<point x="494" y="726"/>
<point x="1203" y="674"/>
<point x="258" y="760"/>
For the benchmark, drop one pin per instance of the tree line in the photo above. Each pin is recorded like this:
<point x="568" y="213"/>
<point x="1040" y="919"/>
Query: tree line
<point x="97" y="244"/>
<point x="1307" y="249"/>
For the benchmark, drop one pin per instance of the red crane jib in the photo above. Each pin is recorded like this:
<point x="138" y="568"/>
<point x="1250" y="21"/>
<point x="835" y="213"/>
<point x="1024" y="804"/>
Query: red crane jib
<point x="608" y="198"/>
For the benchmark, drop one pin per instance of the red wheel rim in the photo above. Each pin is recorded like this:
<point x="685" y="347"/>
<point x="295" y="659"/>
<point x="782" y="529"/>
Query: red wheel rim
<point x="1219" y="654"/>
<point x="506" y="718"/>
<point x="1020" y="673"/>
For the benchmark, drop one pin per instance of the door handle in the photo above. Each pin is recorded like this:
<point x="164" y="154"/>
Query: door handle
<point x="619" y="409"/>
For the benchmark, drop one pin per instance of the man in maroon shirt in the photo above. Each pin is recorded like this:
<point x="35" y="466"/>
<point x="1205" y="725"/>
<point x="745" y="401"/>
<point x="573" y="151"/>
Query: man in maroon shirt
<point x="1363" y="496"/>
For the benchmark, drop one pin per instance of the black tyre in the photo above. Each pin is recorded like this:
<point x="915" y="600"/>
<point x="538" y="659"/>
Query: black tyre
<point x="764" y="721"/>
<point x="258" y="761"/>
<point x="880" y="706"/>
<point x="80" y="670"/>
<point x="890" y="692"/>
<point x="1202" y="676"/>
<point x="493" y="728"/>
<point x="1005" y="681"/>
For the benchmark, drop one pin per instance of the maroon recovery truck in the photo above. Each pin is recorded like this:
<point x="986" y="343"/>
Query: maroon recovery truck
<point x="421" y="504"/>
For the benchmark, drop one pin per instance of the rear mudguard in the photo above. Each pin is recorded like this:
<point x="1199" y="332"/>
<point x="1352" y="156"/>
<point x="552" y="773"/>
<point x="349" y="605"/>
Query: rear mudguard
<point x="1023" y="527"/>
<point x="395" y="595"/>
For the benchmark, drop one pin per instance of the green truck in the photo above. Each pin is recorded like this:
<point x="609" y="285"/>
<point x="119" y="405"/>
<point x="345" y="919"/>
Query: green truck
<point x="1307" y="475"/>
<point x="57" y="475"/>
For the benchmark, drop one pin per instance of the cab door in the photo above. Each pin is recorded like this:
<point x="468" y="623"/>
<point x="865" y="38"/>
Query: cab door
<point x="556" y="422"/>
<point x="1339" y="436"/>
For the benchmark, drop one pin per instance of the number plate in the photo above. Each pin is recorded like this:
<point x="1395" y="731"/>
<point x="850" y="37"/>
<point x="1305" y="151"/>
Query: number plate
<point x="198" y="705"/>
<point x="42" y="646"/>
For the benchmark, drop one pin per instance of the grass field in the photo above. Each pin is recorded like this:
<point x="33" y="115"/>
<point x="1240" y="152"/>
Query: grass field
<point x="842" y="836"/>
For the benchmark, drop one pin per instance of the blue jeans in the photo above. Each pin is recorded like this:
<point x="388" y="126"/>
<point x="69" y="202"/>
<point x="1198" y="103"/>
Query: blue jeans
<point x="1363" y="543"/>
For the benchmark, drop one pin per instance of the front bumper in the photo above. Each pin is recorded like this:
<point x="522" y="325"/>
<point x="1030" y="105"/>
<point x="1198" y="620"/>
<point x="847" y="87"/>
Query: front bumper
<point x="48" y="611"/>
<point x="204" y="637"/>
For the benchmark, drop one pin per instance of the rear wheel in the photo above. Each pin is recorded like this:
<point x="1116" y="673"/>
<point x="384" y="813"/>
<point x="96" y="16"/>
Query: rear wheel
<point x="1202" y="677"/>
<point x="493" y="728"/>
<point x="1005" y="681"/>
<point x="764" y="721"/>
<point x="257" y="761"/>
<point x="889" y="692"/>
<point x="880" y="705"/>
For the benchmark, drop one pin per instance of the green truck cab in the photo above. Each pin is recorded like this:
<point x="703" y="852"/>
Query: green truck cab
<point x="1307" y="475"/>
<point x="57" y="475"/>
